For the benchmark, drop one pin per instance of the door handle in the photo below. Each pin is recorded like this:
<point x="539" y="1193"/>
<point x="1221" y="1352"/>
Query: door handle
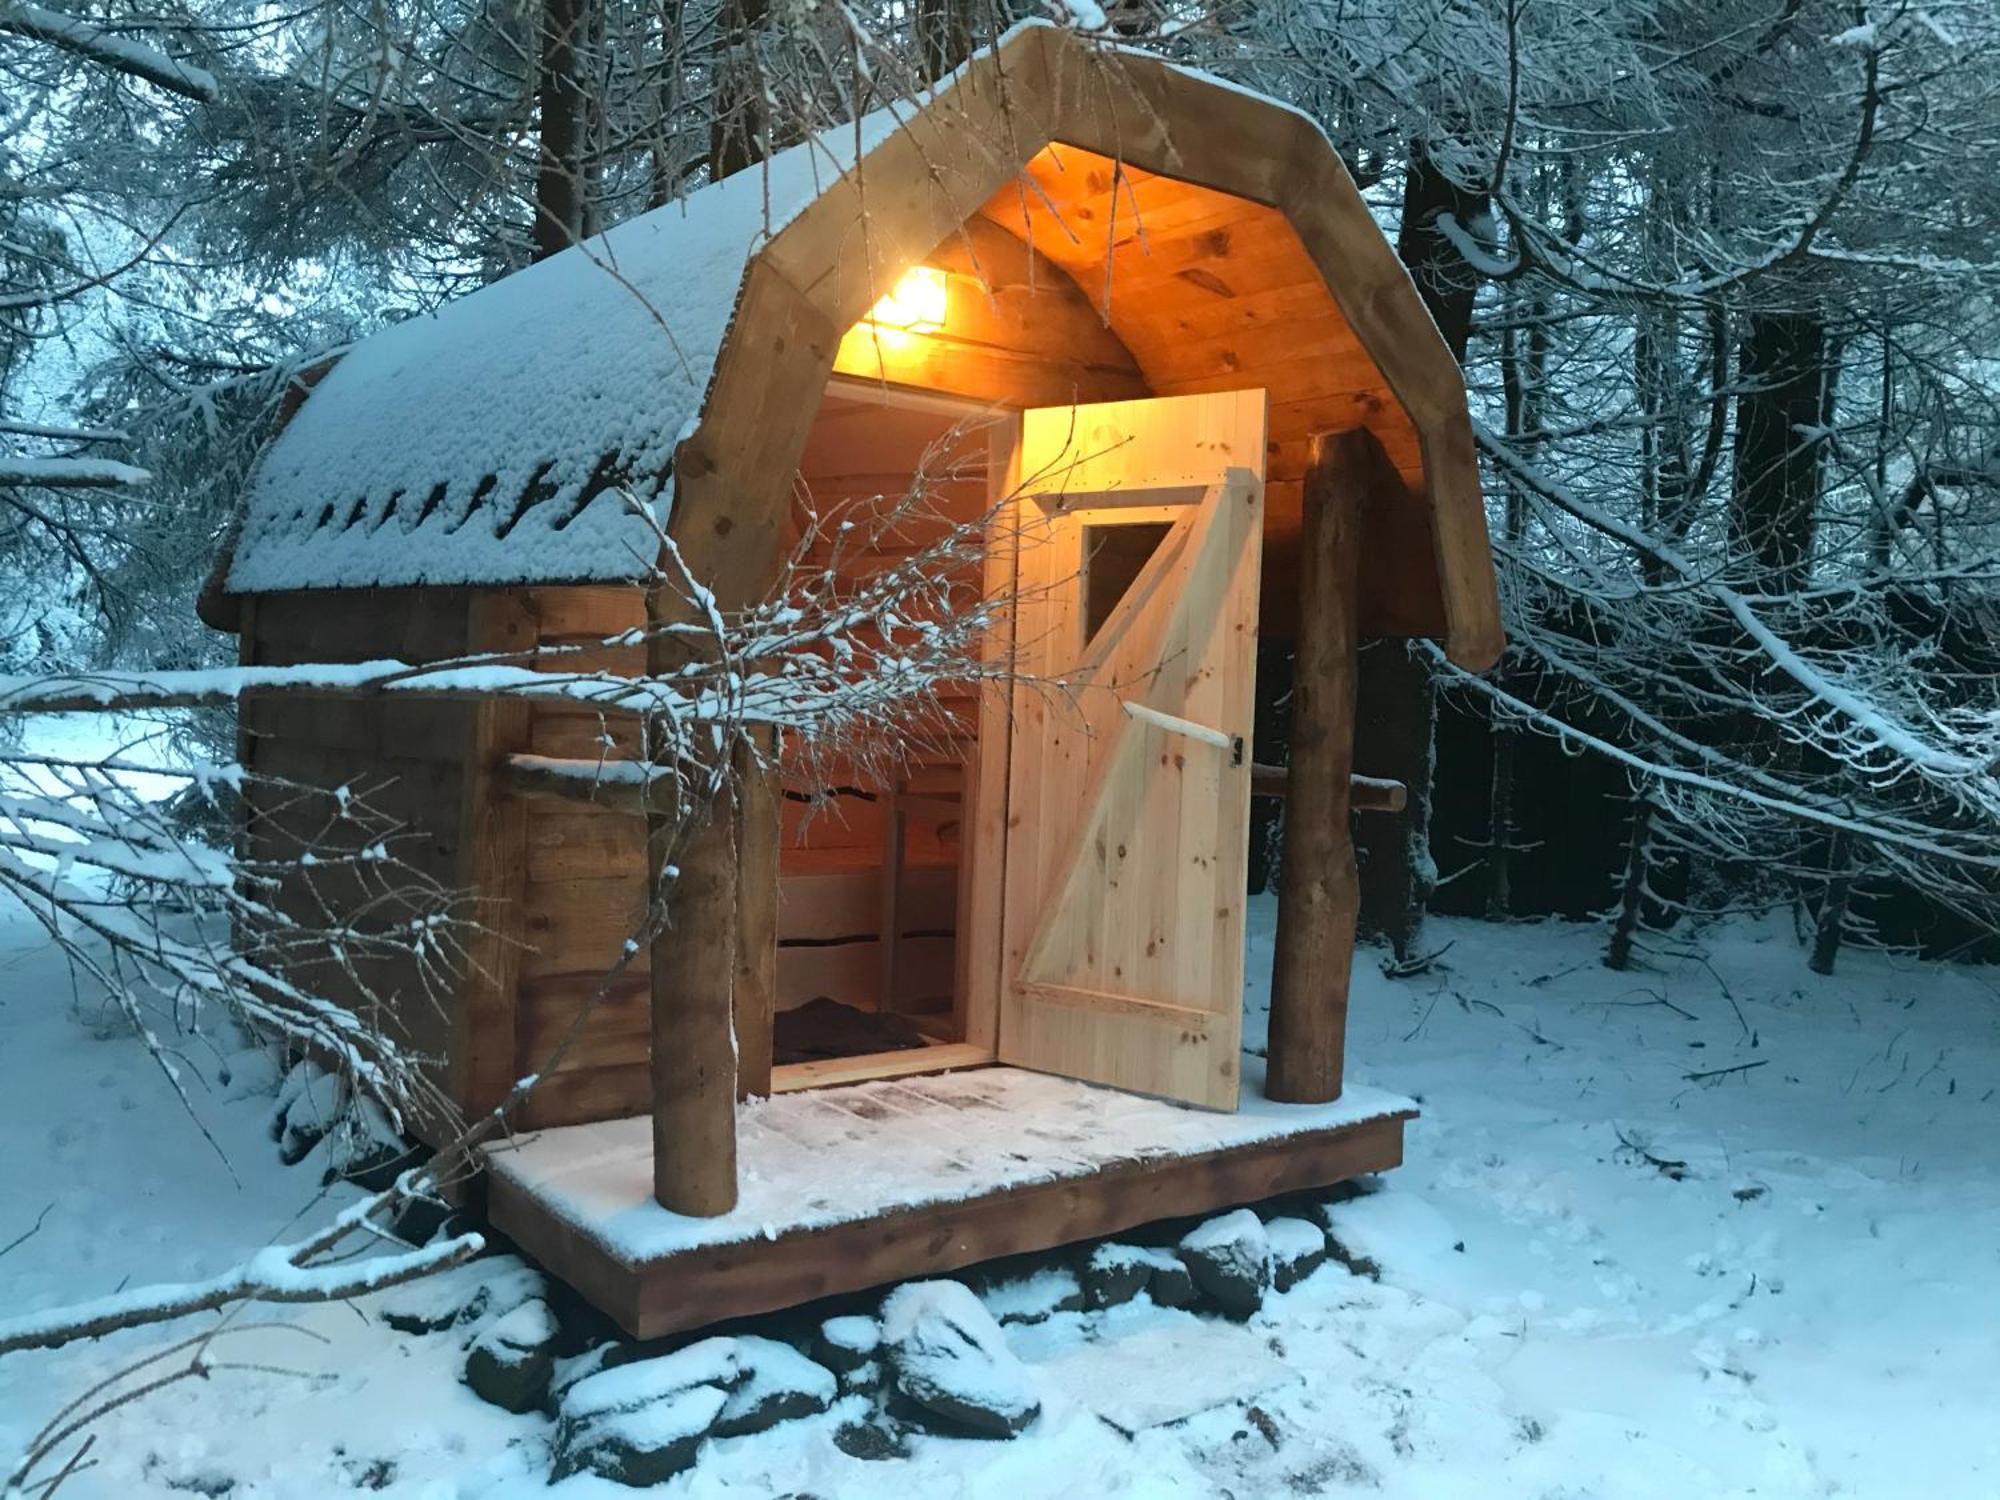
<point x="1233" y="743"/>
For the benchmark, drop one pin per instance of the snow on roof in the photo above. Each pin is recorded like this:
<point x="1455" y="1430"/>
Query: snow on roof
<point x="497" y="439"/>
<point x="485" y="443"/>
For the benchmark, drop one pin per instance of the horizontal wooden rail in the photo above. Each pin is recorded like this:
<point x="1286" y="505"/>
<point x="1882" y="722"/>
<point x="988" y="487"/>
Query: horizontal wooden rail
<point x="1365" y="793"/>
<point x="619" y="786"/>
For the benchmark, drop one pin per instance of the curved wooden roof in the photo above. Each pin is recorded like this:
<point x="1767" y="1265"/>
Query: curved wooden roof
<point x="1227" y="247"/>
<point x="1216" y="233"/>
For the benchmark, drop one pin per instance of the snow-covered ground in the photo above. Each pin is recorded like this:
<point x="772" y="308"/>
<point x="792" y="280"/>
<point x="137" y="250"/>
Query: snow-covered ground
<point x="1797" y="1294"/>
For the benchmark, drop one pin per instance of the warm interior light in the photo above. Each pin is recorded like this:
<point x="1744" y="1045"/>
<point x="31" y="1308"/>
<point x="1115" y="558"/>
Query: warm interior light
<point x="916" y="304"/>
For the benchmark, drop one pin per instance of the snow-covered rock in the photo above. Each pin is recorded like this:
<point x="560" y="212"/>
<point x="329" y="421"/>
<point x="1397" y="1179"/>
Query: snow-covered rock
<point x="781" y="1386"/>
<point x="1034" y="1298"/>
<point x="851" y="1347"/>
<point x="510" y="1362"/>
<point x="366" y="1149"/>
<point x="578" y="1367"/>
<point x="1230" y="1260"/>
<point x="1172" y="1284"/>
<point x="310" y="1101"/>
<point x="1114" y="1273"/>
<point x="643" y="1423"/>
<point x="848" y="1342"/>
<point x="952" y="1360"/>
<point x="717" y="1362"/>
<point x="645" y="1445"/>
<point x="495" y="1284"/>
<point x="1298" y="1248"/>
<point x="249" y="1072"/>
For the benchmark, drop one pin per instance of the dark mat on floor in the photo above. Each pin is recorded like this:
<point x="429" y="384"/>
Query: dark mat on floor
<point x="823" y="1028"/>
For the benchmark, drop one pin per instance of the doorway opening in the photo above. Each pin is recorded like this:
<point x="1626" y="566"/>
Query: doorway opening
<point x="874" y="851"/>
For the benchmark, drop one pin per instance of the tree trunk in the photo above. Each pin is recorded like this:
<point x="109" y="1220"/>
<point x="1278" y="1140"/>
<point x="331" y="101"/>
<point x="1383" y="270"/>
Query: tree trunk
<point x="1318" y="897"/>
<point x="1394" y="738"/>
<point x="559" y="194"/>
<point x="1524" y="358"/>
<point x="944" y="35"/>
<point x="665" y="171"/>
<point x="1270" y="745"/>
<point x="1832" y="922"/>
<point x="741" y="136"/>
<point x="1633" y="888"/>
<point x="1500" y="823"/>
<point x="1395" y="725"/>
<point x="1786" y="401"/>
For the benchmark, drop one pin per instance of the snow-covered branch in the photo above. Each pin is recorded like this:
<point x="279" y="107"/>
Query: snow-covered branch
<point x="106" y="48"/>
<point x="282" y="1273"/>
<point x="68" y="473"/>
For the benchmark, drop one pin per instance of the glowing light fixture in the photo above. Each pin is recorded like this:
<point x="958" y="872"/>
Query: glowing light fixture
<point x="916" y="304"/>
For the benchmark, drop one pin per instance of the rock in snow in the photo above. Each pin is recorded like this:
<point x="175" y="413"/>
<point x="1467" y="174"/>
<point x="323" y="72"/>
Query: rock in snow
<point x="715" y="1362"/>
<point x="1114" y="1273"/>
<point x="1230" y="1260"/>
<point x="1298" y="1248"/>
<point x="873" y="1442"/>
<point x="1172" y="1285"/>
<point x="643" y="1446"/>
<point x="644" y="1422"/>
<point x="781" y="1386"/>
<point x="851" y="1347"/>
<point x="951" y="1359"/>
<point x="847" y="1343"/>
<point x="253" y="1070"/>
<point x="309" y="1103"/>
<point x="495" y="1284"/>
<point x="511" y="1360"/>
<point x="1035" y="1298"/>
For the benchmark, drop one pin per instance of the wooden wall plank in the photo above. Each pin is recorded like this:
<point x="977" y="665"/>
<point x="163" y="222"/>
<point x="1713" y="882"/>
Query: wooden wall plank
<point x="608" y="1093"/>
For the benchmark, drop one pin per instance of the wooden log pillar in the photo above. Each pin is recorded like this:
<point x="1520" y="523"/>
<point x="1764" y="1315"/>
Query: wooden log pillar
<point x="1319" y="892"/>
<point x="694" y="963"/>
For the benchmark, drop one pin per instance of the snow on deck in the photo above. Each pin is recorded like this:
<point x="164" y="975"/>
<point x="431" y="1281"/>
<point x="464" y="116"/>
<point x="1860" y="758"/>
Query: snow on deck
<point x="839" y="1155"/>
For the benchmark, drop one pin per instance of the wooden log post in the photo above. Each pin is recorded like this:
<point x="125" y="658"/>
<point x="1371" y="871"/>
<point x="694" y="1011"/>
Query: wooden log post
<point x="1318" y="890"/>
<point x="694" y="962"/>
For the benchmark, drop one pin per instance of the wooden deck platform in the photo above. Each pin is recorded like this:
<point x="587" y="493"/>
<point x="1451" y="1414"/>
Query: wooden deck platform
<point x="852" y="1187"/>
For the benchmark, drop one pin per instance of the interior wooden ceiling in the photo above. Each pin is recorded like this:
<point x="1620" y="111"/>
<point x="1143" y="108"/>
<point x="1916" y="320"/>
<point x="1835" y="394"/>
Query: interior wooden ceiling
<point x="1085" y="280"/>
<point x="1210" y="292"/>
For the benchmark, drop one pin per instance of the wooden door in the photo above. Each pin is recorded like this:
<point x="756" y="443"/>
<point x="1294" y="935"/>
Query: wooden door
<point x="1136" y="530"/>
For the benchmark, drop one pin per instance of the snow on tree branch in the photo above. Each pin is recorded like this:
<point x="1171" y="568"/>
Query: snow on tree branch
<point x="103" y="46"/>
<point x="69" y="473"/>
<point x="282" y="1273"/>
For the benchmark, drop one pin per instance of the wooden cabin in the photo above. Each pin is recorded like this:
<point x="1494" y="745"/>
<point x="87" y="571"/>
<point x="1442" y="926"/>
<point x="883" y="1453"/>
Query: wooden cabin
<point x="1213" y="408"/>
